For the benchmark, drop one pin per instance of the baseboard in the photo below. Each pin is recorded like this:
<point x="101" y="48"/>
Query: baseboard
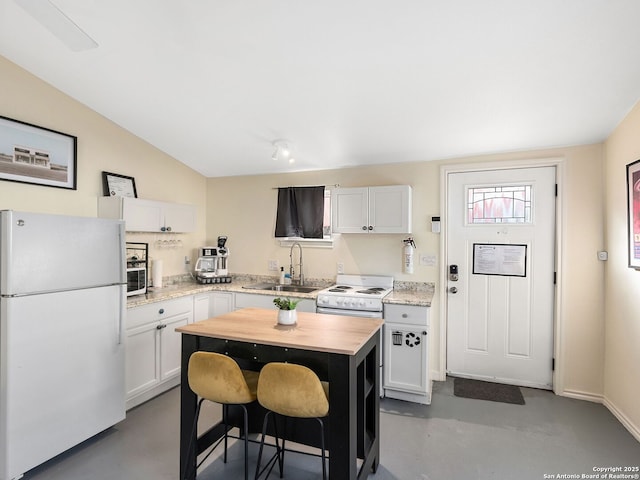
<point x="580" y="395"/>
<point x="153" y="392"/>
<point x="628" y="424"/>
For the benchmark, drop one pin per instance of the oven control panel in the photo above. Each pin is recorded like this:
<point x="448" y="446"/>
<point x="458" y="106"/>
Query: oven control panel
<point x="349" y="303"/>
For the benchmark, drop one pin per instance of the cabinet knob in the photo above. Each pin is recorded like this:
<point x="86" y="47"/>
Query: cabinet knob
<point x="370" y="227"/>
<point x="168" y="229"/>
<point x="163" y="229"/>
<point x="364" y="227"/>
<point x="161" y="326"/>
<point x="161" y="311"/>
<point x="404" y="315"/>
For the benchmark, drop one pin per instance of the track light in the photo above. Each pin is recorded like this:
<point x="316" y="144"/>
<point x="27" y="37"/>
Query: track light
<point x="282" y="151"/>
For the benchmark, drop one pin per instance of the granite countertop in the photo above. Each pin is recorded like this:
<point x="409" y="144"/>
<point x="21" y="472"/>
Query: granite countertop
<point x="404" y="293"/>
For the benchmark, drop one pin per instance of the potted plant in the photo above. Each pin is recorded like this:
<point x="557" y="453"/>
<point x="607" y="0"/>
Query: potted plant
<point x="287" y="314"/>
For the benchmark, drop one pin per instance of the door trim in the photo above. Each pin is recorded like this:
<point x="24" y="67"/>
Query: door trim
<point x="558" y="310"/>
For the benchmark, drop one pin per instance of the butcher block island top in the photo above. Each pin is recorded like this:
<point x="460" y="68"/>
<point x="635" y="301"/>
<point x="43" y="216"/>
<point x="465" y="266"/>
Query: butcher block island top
<point x="313" y="331"/>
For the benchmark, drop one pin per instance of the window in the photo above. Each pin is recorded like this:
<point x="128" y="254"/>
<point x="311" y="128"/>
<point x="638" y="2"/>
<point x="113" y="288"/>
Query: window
<point x="326" y="240"/>
<point x="499" y="204"/>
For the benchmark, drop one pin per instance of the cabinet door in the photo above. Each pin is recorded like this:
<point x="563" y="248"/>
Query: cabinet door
<point x="170" y="346"/>
<point x="142" y="215"/>
<point x="141" y="372"/>
<point x="390" y="209"/>
<point x="220" y="303"/>
<point x="201" y="307"/>
<point x="405" y="358"/>
<point x="349" y="210"/>
<point x="179" y="218"/>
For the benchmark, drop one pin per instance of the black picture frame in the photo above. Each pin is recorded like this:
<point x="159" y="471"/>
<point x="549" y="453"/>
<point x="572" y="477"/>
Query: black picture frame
<point x="116" y="185"/>
<point x="633" y="213"/>
<point x="37" y="155"/>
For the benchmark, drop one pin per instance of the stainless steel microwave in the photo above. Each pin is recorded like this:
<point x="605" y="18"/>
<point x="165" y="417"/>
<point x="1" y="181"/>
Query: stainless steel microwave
<point x="136" y="281"/>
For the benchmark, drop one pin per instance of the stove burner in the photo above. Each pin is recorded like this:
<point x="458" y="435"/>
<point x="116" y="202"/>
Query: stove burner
<point x="342" y="287"/>
<point x="339" y="290"/>
<point x="370" y="291"/>
<point x="376" y="289"/>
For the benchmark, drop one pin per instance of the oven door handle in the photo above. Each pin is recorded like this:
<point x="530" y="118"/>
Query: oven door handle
<point x="348" y="313"/>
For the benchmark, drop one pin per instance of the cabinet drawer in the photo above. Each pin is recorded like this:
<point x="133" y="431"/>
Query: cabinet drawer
<point x="408" y="314"/>
<point x="157" y="311"/>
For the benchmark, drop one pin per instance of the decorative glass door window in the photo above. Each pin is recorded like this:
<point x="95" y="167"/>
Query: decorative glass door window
<point x="500" y="204"/>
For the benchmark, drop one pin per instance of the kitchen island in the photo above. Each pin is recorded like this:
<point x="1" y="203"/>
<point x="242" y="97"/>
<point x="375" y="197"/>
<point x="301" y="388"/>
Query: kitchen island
<point x="342" y="350"/>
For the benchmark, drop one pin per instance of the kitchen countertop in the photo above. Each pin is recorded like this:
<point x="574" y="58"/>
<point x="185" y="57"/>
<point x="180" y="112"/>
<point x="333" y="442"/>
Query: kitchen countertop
<point x="320" y="333"/>
<point x="404" y="293"/>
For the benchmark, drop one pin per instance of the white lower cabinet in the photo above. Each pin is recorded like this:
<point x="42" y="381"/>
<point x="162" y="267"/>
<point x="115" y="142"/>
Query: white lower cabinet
<point x="406" y="353"/>
<point x="211" y="304"/>
<point x="153" y="347"/>
<point x="266" y="301"/>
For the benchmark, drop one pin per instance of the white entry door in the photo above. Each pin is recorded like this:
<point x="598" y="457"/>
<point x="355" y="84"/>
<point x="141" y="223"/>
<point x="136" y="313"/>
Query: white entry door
<point x="501" y="237"/>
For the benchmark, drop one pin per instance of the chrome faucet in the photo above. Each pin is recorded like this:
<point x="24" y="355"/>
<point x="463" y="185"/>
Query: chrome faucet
<point x="291" y="269"/>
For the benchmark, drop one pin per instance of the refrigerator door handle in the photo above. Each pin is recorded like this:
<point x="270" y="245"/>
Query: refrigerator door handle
<point x="123" y="312"/>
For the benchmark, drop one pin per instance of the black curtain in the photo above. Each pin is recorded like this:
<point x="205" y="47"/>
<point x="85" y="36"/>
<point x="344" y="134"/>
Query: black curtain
<point x="300" y="212"/>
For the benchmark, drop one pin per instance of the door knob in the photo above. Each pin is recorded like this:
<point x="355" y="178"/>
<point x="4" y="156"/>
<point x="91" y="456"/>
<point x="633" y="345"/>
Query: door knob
<point x="453" y="290"/>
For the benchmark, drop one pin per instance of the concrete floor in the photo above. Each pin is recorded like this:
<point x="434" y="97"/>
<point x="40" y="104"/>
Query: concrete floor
<point x="453" y="438"/>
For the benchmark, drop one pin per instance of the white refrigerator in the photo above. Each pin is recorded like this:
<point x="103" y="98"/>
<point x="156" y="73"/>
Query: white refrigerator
<point x="62" y="307"/>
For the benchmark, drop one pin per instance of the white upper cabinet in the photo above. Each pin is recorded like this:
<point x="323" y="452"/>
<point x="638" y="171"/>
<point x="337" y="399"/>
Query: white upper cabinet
<point x="148" y="215"/>
<point x="371" y="209"/>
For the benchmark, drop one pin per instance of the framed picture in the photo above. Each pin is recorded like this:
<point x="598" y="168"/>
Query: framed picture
<point x="633" y="213"/>
<point x="116" y="185"/>
<point x="37" y="155"/>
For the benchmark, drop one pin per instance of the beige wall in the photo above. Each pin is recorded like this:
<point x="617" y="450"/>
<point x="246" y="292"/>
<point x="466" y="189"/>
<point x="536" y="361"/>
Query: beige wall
<point x="102" y="146"/>
<point x="622" y="359"/>
<point x="244" y="209"/>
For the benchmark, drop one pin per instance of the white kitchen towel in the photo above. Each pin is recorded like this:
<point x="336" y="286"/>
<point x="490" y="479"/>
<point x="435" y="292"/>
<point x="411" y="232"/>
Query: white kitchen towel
<point x="157" y="273"/>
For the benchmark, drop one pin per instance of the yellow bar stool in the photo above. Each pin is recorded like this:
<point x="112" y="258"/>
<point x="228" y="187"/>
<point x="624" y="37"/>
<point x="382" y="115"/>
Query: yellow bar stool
<point x="292" y="391"/>
<point x="218" y="378"/>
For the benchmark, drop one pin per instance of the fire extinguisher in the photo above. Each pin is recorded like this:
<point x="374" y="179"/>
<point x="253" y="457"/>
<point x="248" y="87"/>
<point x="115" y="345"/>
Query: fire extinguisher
<point x="409" y="247"/>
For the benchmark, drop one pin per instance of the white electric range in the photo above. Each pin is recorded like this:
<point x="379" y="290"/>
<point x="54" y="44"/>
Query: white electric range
<point x="355" y="296"/>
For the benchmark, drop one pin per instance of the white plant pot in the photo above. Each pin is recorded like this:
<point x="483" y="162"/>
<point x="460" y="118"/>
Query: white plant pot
<point x="287" y="317"/>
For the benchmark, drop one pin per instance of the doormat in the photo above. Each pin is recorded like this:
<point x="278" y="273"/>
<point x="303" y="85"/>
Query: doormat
<point x="494" y="392"/>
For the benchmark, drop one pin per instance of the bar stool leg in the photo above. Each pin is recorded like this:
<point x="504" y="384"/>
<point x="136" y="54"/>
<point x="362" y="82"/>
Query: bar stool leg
<point x="324" y="458"/>
<point x="225" y="412"/>
<point x="246" y="443"/>
<point x="278" y="456"/>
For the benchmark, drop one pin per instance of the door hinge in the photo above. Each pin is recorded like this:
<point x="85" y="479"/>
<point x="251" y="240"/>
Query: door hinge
<point x="555" y="277"/>
<point x="553" y="364"/>
<point x="556" y="189"/>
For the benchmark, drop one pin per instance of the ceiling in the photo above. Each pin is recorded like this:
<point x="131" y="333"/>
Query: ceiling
<point x="214" y="82"/>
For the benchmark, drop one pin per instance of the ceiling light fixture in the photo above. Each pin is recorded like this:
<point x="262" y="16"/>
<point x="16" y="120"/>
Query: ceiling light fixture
<point x="282" y="151"/>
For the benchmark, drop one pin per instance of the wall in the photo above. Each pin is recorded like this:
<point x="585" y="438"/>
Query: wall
<point x="622" y="358"/>
<point x="102" y="146"/>
<point x="244" y="209"/>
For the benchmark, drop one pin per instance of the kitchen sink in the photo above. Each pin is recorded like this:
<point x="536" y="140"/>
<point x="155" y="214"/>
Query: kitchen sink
<point x="282" y="288"/>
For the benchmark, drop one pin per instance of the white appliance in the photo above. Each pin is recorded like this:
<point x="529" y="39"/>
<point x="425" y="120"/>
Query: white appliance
<point x="357" y="296"/>
<point x="62" y="306"/>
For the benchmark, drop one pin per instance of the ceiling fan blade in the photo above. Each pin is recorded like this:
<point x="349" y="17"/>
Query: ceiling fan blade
<point x="54" y="20"/>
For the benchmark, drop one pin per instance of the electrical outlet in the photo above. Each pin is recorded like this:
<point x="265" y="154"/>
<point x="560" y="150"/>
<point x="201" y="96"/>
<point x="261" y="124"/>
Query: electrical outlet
<point x="187" y="260"/>
<point x="273" y="265"/>
<point x="340" y="267"/>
